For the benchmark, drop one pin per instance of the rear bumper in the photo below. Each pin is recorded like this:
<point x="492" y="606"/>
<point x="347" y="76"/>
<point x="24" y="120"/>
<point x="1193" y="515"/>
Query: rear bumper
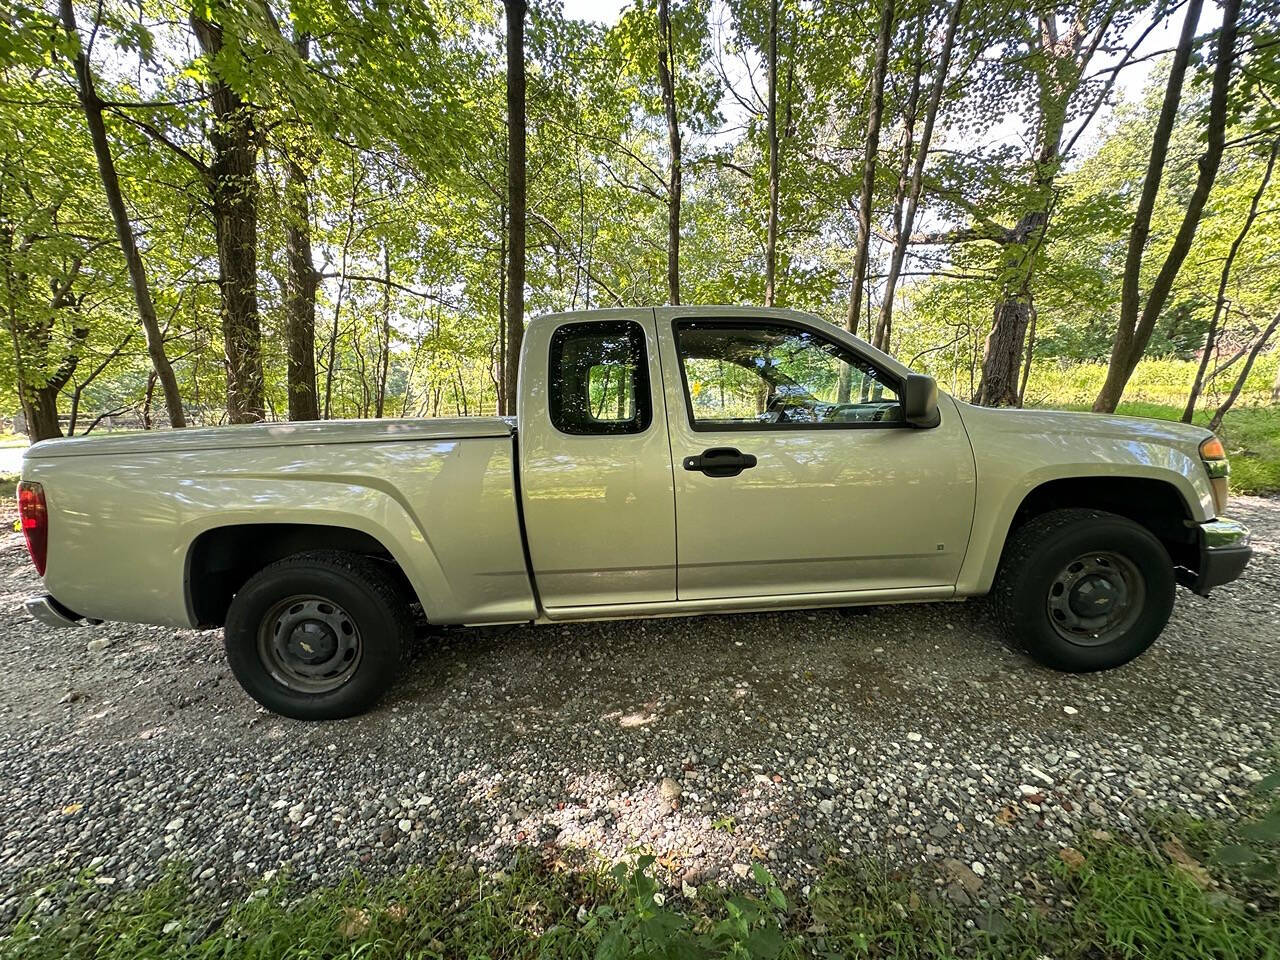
<point x="50" y="612"/>
<point x="1224" y="553"/>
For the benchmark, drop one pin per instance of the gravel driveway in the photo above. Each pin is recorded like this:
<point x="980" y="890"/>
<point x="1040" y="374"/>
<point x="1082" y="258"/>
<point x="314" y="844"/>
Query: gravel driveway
<point x="905" y="732"/>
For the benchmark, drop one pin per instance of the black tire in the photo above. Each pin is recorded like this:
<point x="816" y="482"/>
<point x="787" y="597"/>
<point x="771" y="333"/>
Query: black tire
<point x="1030" y="592"/>
<point x="329" y="599"/>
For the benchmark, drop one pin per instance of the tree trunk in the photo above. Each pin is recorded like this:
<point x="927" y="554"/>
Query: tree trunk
<point x="500" y="386"/>
<point x="332" y="348"/>
<point x="675" y="187"/>
<point x="515" y="200"/>
<point x="40" y="407"/>
<point x="32" y="335"/>
<point x="903" y="238"/>
<point x="92" y="108"/>
<point x="875" y="109"/>
<point x="233" y="191"/>
<point x="880" y="338"/>
<point x="300" y="298"/>
<point x="863" y="243"/>
<point x="1211" y="337"/>
<point x="300" y="281"/>
<point x="771" y="233"/>
<point x="384" y="338"/>
<point x="362" y="374"/>
<point x="1134" y="329"/>
<point x="147" y="396"/>
<point x="1003" y="355"/>
<point x="1031" y="355"/>
<point x="1216" y="422"/>
<point x="1005" y="344"/>
<point x="1063" y="60"/>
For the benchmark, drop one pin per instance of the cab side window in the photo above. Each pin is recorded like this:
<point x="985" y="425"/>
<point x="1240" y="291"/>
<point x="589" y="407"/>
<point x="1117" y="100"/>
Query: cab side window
<point x="767" y="375"/>
<point x="599" y="379"/>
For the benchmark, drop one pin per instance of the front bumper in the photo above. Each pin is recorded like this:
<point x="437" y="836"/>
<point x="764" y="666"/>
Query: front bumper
<point x="50" y="612"/>
<point x="1224" y="553"/>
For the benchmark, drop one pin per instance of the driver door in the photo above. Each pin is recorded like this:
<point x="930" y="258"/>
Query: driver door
<point x="795" y="472"/>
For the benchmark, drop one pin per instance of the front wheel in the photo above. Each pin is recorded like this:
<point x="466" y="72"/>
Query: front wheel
<point x="317" y="636"/>
<point x="1083" y="589"/>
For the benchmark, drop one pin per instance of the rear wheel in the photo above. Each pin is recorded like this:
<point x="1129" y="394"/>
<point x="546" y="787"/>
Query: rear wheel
<point x="1083" y="589"/>
<point x="317" y="636"/>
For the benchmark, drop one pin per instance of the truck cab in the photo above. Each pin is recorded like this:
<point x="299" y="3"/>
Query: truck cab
<point x="720" y="458"/>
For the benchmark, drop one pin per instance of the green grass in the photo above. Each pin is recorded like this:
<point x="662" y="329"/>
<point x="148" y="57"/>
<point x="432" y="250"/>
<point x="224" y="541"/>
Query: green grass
<point x="13" y="440"/>
<point x="1251" y="435"/>
<point x="1157" y="380"/>
<point x="1120" y="900"/>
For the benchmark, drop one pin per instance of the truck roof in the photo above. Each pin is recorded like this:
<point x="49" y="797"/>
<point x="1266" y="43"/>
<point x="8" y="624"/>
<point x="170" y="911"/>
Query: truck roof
<point x="728" y="313"/>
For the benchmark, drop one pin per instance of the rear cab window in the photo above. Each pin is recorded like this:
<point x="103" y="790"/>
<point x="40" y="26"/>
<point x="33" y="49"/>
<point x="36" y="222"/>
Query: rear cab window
<point x="598" y="381"/>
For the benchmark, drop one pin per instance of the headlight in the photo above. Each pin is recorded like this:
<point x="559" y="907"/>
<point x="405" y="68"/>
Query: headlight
<point x="1218" y="467"/>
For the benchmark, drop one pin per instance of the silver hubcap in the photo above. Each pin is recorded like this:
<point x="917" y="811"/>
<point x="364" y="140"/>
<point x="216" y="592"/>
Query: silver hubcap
<point x="1096" y="599"/>
<point x="309" y="644"/>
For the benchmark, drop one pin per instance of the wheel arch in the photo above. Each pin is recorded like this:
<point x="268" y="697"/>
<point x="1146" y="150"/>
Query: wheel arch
<point x="222" y="558"/>
<point x="1156" y="503"/>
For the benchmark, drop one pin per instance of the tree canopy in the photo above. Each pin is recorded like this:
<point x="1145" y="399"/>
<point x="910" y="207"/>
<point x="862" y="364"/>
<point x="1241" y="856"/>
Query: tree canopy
<point x="321" y="205"/>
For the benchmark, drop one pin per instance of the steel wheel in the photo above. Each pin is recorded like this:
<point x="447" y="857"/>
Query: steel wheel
<point x="1096" y="598"/>
<point x="309" y="644"/>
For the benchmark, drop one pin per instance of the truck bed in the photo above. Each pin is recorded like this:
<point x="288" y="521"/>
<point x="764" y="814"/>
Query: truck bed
<point x="129" y="512"/>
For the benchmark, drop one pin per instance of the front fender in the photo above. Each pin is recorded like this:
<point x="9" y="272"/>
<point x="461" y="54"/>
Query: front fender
<point x="1016" y="452"/>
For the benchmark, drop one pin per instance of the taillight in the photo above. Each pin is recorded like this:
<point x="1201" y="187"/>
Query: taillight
<point x="34" y="517"/>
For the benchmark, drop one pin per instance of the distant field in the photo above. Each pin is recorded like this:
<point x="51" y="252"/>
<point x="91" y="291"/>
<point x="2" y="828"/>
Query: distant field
<point x="1154" y="381"/>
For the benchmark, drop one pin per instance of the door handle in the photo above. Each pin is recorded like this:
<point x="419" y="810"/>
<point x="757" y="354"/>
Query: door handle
<point x="720" y="462"/>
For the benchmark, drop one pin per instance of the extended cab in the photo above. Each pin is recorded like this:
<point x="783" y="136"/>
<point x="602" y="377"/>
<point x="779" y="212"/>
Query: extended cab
<point x="664" y="462"/>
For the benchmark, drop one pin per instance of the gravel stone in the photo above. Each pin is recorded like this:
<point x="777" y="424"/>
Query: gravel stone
<point x="907" y="732"/>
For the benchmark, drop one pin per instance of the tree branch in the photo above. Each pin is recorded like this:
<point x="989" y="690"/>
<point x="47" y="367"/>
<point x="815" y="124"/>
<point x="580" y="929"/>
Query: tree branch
<point x="421" y="294"/>
<point x="155" y="134"/>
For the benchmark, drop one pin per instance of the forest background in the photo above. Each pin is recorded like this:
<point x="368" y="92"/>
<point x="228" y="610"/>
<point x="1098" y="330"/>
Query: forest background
<point x="224" y="212"/>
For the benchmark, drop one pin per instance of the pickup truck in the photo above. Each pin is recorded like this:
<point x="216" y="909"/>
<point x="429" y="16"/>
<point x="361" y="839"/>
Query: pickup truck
<point x="664" y="462"/>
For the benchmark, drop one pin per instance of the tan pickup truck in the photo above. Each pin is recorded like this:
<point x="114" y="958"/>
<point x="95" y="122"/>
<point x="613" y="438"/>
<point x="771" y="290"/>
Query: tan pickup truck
<point x="664" y="462"/>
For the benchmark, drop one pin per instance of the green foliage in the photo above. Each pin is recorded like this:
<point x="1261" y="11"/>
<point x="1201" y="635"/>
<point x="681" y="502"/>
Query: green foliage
<point x="1156" y="380"/>
<point x="1130" y="907"/>
<point x="396" y="118"/>
<point x="1254" y="847"/>
<point x="430" y="912"/>
<point x="644" y="928"/>
<point x="1111" y="899"/>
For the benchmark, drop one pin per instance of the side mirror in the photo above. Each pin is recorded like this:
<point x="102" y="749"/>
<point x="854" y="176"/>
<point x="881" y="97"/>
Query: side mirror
<point x="920" y="400"/>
